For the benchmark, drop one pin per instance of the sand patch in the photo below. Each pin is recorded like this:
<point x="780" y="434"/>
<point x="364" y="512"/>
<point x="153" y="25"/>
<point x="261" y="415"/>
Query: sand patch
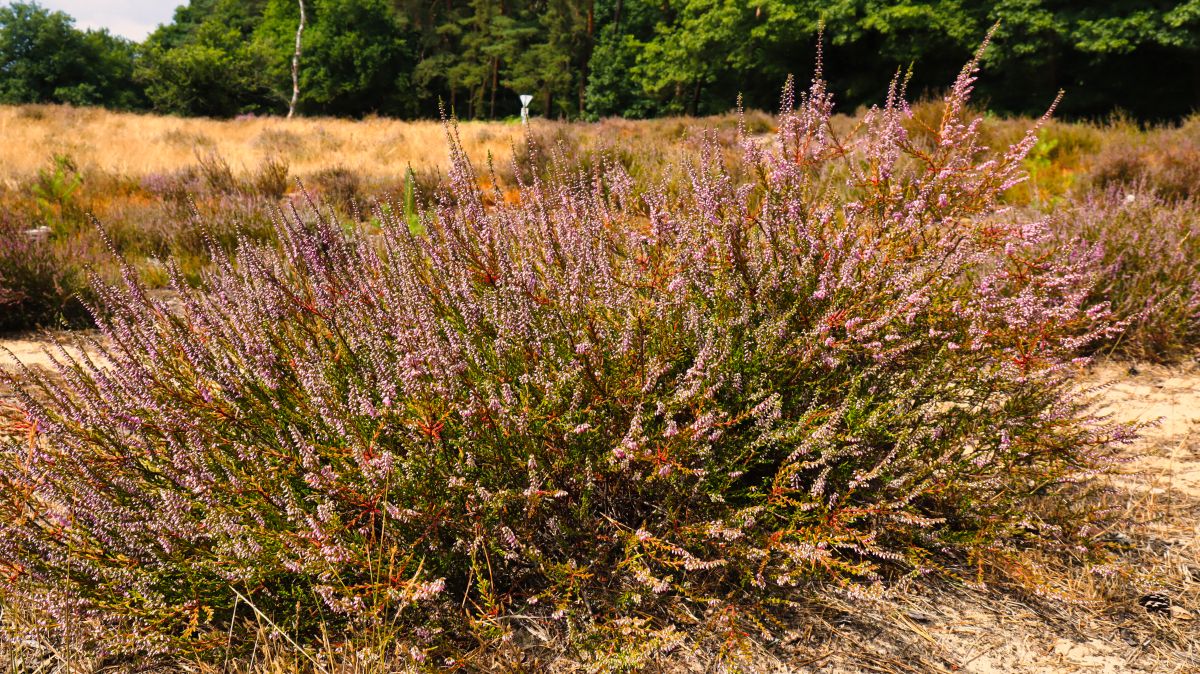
<point x="33" y="351"/>
<point x="1170" y="397"/>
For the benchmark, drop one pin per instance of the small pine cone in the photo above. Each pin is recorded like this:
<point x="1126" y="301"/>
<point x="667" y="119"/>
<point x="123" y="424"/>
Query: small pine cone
<point x="1156" y="603"/>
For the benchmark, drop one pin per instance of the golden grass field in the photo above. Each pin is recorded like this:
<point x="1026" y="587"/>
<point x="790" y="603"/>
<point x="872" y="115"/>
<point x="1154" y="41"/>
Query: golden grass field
<point x="137" y="144"/>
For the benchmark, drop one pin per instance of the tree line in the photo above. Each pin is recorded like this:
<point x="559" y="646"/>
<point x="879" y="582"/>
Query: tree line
<point x="598" y="58"/>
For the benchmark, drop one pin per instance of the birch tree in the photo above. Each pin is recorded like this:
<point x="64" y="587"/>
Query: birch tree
<point x="296" y="63"/>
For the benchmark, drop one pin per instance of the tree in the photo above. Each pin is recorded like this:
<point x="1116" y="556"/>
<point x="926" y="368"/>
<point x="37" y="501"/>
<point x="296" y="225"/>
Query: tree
<point x="296" y="63"/>
<point x="700" y="54"/>
<point x="214" y="71"/>
<point x="45" y="59"/>
<point x="359" y="60"/>
<point x="594" y="58"/>
<point x="623" y="28"/>
<point x="477" y="64"/>
<point x="555" y="60"/>
<point x="240" y="15"/>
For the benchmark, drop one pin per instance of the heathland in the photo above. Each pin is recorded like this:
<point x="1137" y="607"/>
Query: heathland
<point x="845" y="392"/>
<point x="145" y="178"/>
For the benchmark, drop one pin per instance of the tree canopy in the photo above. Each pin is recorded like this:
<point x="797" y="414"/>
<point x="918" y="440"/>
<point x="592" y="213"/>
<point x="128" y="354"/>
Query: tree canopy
<point x="45" y="59"/>
<point x="594" y="58"/>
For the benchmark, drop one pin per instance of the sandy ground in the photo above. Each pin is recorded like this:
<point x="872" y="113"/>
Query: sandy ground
<point x="994" y="632"/>
<point x="986" y="631"/>
<point x="1171" y="398"/>
<point x="30" y="350"/>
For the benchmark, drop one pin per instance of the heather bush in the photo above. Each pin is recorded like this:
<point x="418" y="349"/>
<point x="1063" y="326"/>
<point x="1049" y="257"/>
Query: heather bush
<point x="1150" y="268"/>
<point x="339" y="187"/>
<point x="590" y="409"/>
<point x="1166" y="161"/>
<point x="217" y="174"/>
<point x="271" y="179"/>
<point x="37" y="287"/>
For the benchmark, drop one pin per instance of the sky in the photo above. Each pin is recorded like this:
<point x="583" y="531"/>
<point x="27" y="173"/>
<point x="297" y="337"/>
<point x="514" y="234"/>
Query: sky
<point x="134" y="19"/>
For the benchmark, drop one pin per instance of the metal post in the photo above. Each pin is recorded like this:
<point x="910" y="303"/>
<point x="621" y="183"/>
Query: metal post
<point x="525" y="99"/>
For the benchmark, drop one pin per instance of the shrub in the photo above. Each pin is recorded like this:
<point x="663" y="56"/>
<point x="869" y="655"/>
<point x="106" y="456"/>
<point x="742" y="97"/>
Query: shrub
<point x="340" y="187"/>
<point x="1150" y="268"/>
<point x="174" y="188"/>
<point x="55" y="191"/>
<point x="576" y="410"/>
<point x="38" y="287"/>
<point x="216" y="173"/>
<point x="1166" y="161"/>
<point x="271" y="180"/>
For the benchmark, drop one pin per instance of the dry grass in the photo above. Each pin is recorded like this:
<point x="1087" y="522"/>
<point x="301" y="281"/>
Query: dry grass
<point x="134" y="145"/>
<point x="65" y="168"/>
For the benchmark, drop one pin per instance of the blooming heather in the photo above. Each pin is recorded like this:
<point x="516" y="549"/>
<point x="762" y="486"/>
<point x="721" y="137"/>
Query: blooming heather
<point x="592" y="400"/>
<point x="37" y="287"/>
<point x="1149" y="269"/>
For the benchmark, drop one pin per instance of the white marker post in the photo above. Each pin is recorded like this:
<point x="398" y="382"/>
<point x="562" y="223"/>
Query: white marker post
<point x="525" y="99"/>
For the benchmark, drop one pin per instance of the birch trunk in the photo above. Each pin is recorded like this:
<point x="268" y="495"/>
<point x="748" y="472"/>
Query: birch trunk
<point x="296" y="65"/>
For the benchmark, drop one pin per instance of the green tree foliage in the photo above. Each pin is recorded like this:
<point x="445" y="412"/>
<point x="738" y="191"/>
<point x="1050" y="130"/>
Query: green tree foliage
<point x="357" y="56"/>
<point x="713" y="46"/>
<point x="625" y="26"/>
<point x="490" y="36"/>
<point x="45" y="59"/>
<point x="554" y="65"/>
<point x="596" y="58"/>
<point x="204" y="78"/>
<point x="438" y="29"/>
<point x="240" y="15"/>
<point x="204" y="63"/>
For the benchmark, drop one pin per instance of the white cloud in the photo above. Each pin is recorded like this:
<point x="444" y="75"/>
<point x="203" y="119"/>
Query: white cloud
<point x="134" y="19"/>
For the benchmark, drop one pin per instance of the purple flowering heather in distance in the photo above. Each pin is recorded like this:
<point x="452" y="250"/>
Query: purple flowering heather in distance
<point x="1148" y="267"/>
<point x="601" y="399"/>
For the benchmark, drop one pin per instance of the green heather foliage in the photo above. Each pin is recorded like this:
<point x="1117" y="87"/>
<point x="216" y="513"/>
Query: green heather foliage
<point x="593" y="406"/>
